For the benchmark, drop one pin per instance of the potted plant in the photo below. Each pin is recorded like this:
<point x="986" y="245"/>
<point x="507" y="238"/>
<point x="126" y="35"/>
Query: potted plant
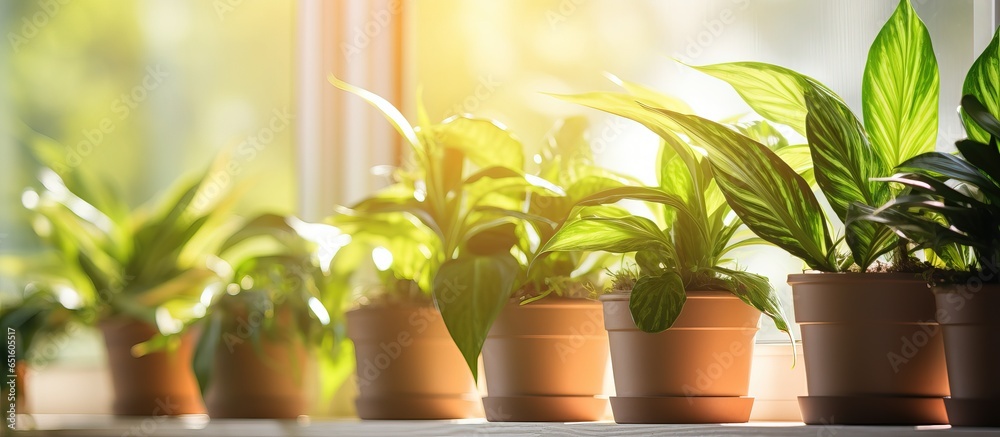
<point x="141" y="276"/>
<point x="545" y="356"/>
<point x="448" y="244"/>
<point x="857" y="317"/>
<point x="953" y="206"/>
<point x="681" y="320"/>
<point x="258" y="340"/>
<point x="32" y="317"/>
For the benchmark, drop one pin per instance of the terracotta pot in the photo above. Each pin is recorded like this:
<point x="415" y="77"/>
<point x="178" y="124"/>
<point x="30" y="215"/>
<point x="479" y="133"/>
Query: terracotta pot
<point x="158" y="384"/>
<point x="253" y="383"/>
<point x="873" y="353"/>
<point x="546" y="361"/>
<point x="698" y="371"/>
<point x="970" y="317"/>
<point x="408" y="366"/>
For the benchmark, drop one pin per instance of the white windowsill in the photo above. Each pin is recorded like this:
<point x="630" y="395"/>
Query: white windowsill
<point x="82" y="425"/>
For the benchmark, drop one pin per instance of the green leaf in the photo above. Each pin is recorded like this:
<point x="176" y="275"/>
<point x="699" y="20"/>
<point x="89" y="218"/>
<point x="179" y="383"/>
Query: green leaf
<point x="651" y="96"/>
<point x="765" y="133"/>
<point x="608" y="234"/>
<point x="844" y="160"/>
<point x="900" y="88"/>
<point x="470" y="292"/>
<point x="913" y="226"/>
<point x="767" y="194"/>
<point x="953" y="167"/>
<point x="757" y="292"/>
<point x="496" y="238"/>
<point x="846" y="165"/>
<point x="799" y="158"/>
<point x="267" y="224"/>
<point x="983" y="82"/>
<point x="624" y="105"/>
<point x="980" y="115"/>
<point x="387" y="109"/>
<point x="776" y="93"/>
<point x="656" y="301"/>
<point x="483" y="142"/>
<point x="985" y="157"/>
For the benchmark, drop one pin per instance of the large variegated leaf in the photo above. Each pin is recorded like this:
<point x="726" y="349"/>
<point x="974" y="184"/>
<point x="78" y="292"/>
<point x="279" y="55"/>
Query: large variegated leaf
<point x="776" y="93"/>
<point x="983" y="82"/>
<point x="656" y="301"/>
<point x="610" y="234"/>
<point x="900" y="89"/>
<point x="470" y="292"/>
<point x="845" y="164"/>
<point x="767" y="194"/>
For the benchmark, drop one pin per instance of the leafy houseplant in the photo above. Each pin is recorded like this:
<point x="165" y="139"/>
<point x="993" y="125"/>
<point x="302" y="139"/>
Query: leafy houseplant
<point x="545" y="357"/>
<point x="32" y="318"/>
<point x="441" y="225"/>
<point x="952" y="203"/>
<point x="141" y="276"/>
<point x="848" y="375"/>
<point x="260" y="335"/>
<point x="680" y="263"/>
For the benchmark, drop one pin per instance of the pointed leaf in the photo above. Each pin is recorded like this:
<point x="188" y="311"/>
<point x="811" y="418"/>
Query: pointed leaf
<point x="983" y="82"/>
<point x="776" y="93"/>
<point x="846" y="165"/>
<point x="387" y="109"/>
<point x="470" y="292"/>
<point x="900" y="88"/>
<point x="608" y="234"/>
<point x="773" y="201"/>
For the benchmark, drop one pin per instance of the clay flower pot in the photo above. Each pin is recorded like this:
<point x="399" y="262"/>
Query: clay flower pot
<point x="408" y="367"/>
<point x="258" y="382"/>
<point x="546" y="361"/>
<point x="873" y="351"/>
<point x="161" y="383"/>
<point x="970" y="317"/>
<point x="698" y="371"/>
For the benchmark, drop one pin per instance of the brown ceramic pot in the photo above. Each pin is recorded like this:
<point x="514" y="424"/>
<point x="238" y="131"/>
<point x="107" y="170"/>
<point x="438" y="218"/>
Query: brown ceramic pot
<point x="408" y="366"/>
<point x="873" y="353"/>
<point x="158" y="384"/>
<point x="259" y="382"/>
<point x="970" y="317"/>
<point x="698" y="371"/>
<point x="546" y="361"/>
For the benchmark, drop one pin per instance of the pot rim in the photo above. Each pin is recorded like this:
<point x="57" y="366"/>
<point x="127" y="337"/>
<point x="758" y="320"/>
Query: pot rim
<point x="823" y="277"/>
<point x="950" y="288"/>
<point x="620" y="295"/>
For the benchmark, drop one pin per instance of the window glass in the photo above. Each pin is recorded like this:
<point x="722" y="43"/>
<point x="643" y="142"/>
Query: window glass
<point x="509" y="52"/>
